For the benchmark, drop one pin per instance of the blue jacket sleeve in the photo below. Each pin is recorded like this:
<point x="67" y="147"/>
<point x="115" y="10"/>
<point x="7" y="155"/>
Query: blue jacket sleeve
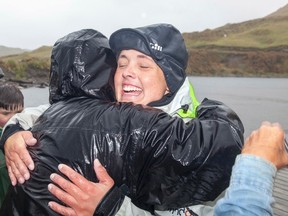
<point x="250" y="190"/>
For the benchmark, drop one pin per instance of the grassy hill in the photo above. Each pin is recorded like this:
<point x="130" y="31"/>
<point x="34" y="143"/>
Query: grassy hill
<point x="270" y="31"/>
<point x="253" y="48"/>
<point x="28" y="68"/>
<point x="261" y="33"/>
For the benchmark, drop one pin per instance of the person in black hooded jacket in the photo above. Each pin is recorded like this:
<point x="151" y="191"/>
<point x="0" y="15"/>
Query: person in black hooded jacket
<point x="162" y="162"/>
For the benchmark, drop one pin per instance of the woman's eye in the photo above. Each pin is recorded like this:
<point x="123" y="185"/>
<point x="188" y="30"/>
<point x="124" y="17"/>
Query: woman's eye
<point x="121" y="65"/>
<point x="144" y="66"/>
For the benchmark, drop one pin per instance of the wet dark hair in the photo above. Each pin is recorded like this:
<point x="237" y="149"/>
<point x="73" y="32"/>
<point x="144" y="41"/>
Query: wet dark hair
<point x="11" y="98"/>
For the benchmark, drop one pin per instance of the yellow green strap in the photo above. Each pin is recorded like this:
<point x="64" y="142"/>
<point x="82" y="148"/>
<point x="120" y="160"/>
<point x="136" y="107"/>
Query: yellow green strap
<point x="190" y="113"/>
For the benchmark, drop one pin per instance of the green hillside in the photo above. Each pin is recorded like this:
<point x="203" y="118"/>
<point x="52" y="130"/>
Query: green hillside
<point x="43" y="52"/>
<point x="253" y="48"/>
<point x="31" y="67"/>
<point x="260" y="34"/>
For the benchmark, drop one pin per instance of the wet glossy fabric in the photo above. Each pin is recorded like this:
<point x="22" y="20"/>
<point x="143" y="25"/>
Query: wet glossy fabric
<point x="164" y="162"/>
<point x="82" y="63"/>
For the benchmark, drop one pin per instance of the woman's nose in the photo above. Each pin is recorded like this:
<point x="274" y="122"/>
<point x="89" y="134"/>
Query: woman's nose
<point x="129" y="72"/>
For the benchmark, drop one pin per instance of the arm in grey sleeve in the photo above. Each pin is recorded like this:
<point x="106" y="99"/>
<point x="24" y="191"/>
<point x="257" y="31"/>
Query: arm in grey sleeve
<point x="27" y="117"/>
<point x="21" y="121"/>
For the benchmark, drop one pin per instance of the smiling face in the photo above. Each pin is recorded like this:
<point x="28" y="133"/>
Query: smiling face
<point x="138" y="78"/>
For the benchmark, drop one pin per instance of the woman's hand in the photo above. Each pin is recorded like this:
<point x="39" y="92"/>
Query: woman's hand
<point x="82" y="196"/>
<point x="18" y="159"/>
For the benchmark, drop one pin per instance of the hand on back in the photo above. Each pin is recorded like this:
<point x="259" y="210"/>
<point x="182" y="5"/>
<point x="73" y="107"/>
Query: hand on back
<point x="18" y="159"/>
<point x="80" y="195"/>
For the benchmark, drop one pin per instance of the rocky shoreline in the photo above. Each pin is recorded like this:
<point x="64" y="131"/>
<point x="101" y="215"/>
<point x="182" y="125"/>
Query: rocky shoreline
<point x="24" y="84"/>
<point x="36" y="79"/>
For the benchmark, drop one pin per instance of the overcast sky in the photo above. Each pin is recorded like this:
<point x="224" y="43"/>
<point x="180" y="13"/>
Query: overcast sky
<point x="29" y="24"/>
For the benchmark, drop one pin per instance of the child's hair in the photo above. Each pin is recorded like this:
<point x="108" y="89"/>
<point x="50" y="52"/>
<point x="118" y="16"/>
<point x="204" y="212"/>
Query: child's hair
<point x="11" y="98"/>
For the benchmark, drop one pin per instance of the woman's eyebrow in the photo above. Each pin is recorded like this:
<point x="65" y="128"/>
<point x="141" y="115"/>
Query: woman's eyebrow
<point x="122" y="56"/>
<point x="145" y="57"/>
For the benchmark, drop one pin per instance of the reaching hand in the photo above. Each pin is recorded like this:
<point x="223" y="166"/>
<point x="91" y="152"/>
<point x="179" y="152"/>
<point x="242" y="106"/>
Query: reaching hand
<point x="82" y="196"/>
<point x="18" y="159"/>
<point x="268" y="142"/>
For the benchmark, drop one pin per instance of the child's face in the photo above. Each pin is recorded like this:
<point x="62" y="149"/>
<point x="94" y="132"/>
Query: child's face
<point x="5" y="115"/>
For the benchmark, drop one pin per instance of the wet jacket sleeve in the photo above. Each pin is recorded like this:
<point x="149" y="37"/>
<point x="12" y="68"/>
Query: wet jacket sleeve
<point x="111" y="203"/>
<point x="197" y="166"/>
<point x="164" y="162"/>
<point x="250" y="190"/>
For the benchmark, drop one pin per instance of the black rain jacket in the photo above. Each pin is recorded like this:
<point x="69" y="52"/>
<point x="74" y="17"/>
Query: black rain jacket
<point x="161" y="162"/>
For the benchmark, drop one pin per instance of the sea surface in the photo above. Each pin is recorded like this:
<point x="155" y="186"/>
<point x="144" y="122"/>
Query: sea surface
<point x="253" y="99"/>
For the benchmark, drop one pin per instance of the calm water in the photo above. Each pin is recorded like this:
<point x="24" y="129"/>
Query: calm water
<point x="254" y="99"/>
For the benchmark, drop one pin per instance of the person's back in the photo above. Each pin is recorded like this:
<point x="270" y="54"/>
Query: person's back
<point x="11" y="102"/>
<point x="87" y="132"/>
<point x="157" y="157"/>
<point x="71" y="79"/>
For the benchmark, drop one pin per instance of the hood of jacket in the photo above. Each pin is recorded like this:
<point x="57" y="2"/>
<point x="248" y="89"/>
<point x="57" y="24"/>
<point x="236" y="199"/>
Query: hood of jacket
<point x="82" y="64"/>
<point x="164" y="44"/>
